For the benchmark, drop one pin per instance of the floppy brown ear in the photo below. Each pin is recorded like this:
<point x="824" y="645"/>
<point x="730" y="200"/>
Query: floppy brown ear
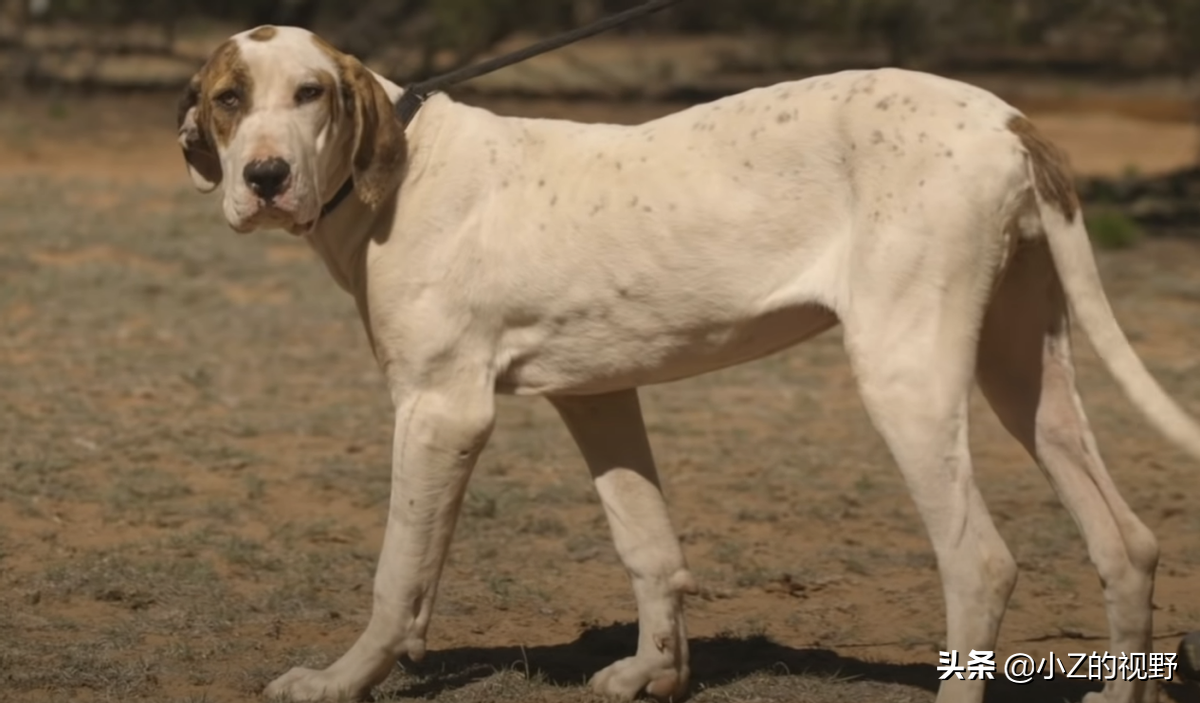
<point x="379" y="145"/>
<point x="203" y="163"/>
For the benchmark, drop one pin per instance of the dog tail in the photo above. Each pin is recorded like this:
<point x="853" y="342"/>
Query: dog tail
<point x="1062" y="220"/>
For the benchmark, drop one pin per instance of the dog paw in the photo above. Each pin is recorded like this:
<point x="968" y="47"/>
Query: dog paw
<point x="629" y="677"/>
<point x="302" y="684"/>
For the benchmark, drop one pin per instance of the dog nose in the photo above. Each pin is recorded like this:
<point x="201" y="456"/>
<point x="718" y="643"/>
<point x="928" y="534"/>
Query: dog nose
<point x="266" y="177"/>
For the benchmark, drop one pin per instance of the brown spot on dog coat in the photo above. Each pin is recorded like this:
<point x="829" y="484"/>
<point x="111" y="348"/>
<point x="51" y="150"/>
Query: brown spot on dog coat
<point x="264" y="33"/>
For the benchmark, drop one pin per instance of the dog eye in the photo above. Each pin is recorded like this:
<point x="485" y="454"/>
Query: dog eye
<point x="228" y="99"/>
<point x="308" y="93"/>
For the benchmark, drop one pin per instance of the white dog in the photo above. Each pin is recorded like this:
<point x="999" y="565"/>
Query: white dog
<point x="490" y="255"/>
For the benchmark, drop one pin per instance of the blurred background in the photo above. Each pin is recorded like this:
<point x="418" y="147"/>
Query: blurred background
<point x="1099" y="37"/>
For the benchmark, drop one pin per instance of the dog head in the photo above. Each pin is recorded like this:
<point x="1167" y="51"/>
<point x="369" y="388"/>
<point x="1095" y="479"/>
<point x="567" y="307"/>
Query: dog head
<point x="280" y="118"/>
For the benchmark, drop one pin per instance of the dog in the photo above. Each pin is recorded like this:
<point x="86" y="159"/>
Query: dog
<point x="578" y="262"/>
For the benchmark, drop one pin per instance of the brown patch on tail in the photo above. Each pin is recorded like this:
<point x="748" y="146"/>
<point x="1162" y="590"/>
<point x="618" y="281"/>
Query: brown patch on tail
<point x="1051" y="169"/>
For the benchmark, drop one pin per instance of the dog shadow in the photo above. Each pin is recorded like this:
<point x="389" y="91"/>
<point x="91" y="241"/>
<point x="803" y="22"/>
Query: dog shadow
<point x="718" y="661"/>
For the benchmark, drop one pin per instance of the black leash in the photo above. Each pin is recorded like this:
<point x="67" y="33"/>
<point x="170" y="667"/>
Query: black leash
<point x="415" y="95"/>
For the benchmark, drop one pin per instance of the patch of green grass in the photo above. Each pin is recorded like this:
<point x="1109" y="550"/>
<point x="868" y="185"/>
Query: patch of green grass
<point x="1112" y="229"/>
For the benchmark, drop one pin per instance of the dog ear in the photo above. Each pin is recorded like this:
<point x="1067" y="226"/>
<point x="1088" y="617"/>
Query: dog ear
<point x="379" y="144"/>
<point x="203" y="163"/>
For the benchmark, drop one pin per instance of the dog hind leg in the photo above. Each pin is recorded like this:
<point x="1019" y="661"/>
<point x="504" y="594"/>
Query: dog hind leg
<point x="911" y="327"/>
<point x="1026" y="373"/>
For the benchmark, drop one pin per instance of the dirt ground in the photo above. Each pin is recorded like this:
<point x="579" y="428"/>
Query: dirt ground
<point x="194" y="448"/>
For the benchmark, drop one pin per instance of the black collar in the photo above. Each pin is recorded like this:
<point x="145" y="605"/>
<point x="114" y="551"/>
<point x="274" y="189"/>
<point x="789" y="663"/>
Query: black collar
<point x="410" y="101"/>
<point x="406" y="109"/>
<point x="346" y="189"/>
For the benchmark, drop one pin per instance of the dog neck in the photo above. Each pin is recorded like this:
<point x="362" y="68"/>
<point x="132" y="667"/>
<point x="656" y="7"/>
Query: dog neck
<point x="347" y="226"/>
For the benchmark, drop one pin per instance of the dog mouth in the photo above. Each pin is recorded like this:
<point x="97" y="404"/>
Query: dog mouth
<point x="271" y="215"/>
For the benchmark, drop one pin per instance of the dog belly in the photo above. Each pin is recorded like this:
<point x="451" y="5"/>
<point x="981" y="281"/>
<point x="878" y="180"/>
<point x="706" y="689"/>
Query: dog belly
<point x="591" y="359"/>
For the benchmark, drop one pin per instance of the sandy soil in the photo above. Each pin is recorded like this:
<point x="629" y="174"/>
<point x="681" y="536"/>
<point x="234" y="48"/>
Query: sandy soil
<point x="194" y="446"/>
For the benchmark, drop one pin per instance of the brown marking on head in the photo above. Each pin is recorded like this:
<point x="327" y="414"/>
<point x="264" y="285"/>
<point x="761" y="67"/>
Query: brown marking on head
<point x="210" y="109"/>
<point x="264" y="33"/>
<point x="226" y="76"/>
<point x="1051" y="168"/>
<point x="379" y="147"/>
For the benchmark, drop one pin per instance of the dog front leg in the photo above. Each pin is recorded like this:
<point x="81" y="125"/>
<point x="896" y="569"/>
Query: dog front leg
<point x="438" y="437"/>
